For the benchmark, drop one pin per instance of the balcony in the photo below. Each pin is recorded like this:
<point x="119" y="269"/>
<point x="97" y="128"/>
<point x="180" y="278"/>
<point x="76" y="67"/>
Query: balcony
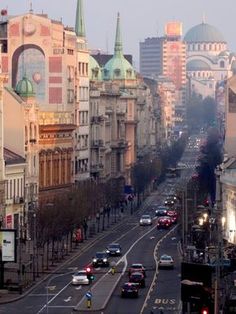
<point x="96" y="168"/>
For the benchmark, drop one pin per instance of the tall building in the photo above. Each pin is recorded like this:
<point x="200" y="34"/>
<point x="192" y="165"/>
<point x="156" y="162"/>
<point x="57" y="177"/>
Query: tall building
<point x="82" y="115"/>
<point x="151" y="56"/>
<point x="166" y="56"/>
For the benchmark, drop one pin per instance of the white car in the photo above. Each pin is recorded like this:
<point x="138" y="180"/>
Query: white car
<point x="80" y="278"/>
<point x="166" y="261"/>
<point x="145" y="220"/>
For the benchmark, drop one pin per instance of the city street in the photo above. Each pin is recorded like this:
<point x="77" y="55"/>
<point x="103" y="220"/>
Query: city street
<point x="138" y="244"/>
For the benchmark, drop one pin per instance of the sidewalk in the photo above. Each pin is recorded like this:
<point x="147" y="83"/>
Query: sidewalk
<point x="110" y="280"/>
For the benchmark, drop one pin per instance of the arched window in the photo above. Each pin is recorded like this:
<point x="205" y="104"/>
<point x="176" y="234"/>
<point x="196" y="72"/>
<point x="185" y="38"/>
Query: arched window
<point x="222" y="64"/>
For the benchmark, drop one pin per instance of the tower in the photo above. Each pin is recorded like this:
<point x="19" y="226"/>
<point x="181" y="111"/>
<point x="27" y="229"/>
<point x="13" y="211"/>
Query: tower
<point x="82" y="114"/>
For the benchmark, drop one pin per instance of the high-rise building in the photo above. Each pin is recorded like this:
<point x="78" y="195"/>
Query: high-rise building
<point x="166" y="56"/>
<point x="151" y="56"/>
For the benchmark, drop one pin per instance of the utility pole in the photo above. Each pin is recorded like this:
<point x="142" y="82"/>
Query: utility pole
<point x="218" y="212"/>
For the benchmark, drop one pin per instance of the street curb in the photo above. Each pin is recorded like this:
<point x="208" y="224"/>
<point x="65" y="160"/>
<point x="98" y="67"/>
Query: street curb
<point x="142" y="206"/>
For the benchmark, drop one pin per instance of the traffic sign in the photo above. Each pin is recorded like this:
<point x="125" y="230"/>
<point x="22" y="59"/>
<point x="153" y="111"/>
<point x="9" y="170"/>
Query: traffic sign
<point x="89" y="295"/>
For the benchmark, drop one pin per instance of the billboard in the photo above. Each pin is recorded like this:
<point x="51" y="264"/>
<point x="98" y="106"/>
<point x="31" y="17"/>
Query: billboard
<point x="7" y="245"/>
<point x="173" y="29"/>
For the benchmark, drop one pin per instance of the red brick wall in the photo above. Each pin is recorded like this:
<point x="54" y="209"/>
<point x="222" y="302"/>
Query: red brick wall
<point x="14" y="30"/>
<point x="4" y="64"/>
<point x="55" y="64"/>
<point x="44" y="31"/>
<point x="55" y="80"/>
<point x="55" y="95"/>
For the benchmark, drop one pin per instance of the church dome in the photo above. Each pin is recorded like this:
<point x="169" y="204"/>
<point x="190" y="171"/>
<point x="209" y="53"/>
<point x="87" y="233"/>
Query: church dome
<point x="24" y="88"/>
<point x="94" y="70"/>
<point x="204" y="33"/>
<point x="118" y="68"/>
<point x="197" y="65"/>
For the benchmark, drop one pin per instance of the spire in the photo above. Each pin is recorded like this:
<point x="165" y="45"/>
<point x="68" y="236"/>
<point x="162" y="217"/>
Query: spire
<point x="118" y="43"/>
<point x="79" y="23"/>
<point x="203" y="18"/>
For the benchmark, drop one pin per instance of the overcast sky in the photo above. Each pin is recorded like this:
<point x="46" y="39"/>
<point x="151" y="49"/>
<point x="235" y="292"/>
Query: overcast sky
<point x="139" y="18"/>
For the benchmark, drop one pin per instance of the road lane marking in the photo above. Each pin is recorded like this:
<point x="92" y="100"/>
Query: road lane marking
<point x="68" y="299"/>
<point x="45" y="305"/>
<point x="156" y="272"/>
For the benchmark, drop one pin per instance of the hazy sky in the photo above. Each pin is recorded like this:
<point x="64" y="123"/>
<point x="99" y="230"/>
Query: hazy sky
<point x="139" y="19"/>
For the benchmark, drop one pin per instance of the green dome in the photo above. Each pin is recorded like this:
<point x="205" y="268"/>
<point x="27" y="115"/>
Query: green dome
<point x="204" y="33"/>
<point x="24" y="88"/>
<point x="95" y="73"/>
<point x="197" y="65"/>
<point x="118" y="68"/>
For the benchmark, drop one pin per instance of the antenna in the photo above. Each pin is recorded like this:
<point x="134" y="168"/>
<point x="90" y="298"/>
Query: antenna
<point x="31" y="7"/>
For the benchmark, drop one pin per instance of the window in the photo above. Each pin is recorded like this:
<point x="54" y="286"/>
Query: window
<point x="222" y="64"/>
<point x="70" y="51"/>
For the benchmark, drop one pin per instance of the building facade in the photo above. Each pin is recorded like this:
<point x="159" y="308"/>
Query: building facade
<point x="209" y="63"/>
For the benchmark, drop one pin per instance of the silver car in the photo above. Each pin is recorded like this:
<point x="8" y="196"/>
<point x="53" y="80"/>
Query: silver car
<point x="145" y="220"/>
<point x="80" y="278"/>
<point x="166" y="261"/>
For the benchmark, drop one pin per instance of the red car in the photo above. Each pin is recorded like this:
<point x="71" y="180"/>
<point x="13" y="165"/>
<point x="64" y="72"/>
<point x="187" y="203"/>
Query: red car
<point x="173" y="215"/>
<point x="164" y="222"/>
<point x="137" y="267"/>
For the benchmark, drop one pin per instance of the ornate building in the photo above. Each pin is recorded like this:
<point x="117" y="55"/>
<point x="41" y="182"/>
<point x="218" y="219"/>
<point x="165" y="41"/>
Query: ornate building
<point x="209" y="63"/>
<point x="82" y="115"/>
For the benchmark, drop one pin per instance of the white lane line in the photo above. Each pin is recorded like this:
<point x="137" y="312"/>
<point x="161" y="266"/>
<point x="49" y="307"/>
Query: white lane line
<point x="41" y="294"/>
<point x="156" y="272"/>
<point x="45" y="306"/>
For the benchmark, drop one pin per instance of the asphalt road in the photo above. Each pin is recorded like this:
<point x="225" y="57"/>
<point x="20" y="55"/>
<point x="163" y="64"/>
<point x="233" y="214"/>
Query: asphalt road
<point x="138" y="244"/>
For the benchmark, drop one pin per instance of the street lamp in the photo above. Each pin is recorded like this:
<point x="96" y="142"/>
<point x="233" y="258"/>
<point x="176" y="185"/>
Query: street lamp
<point x="201" y="221"/>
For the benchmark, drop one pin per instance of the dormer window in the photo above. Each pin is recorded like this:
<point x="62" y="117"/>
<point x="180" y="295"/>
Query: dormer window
<point x="117" y="72"/>
<point x="106" y="72"/>
<point x="129" y="73"/>
<point x="95" y="72"/>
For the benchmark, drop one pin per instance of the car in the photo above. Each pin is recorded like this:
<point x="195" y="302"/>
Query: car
<point x="114" y="249"/>
<point x="100" y="259"/>
<point x="137" y="277"/>
<point x="164" y="222"/>
<point x="161" y="211"/>
<point x="80" y="278"/>
<point x="173" y="216"/>
<point x="145" y="220"/>
<point x="137" y="267"/>
<point x="166" y="261"/>
<point x="130" y="289"/>
<point x="170" y="201"/>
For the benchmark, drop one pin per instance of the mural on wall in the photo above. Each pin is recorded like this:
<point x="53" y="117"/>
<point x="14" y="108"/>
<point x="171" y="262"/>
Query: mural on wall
<point x="30" y="62"/>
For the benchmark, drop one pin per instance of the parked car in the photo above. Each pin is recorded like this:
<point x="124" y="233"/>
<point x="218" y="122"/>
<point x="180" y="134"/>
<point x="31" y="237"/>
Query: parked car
<point x="145" y="220"/>
<point x="164" y="222"/>
<point x="137" y="267"/>
<point x="80" y="278"/>
<point x="166" y="261"/>
<point x="137" y="277"/>
<point x="114" y="249"/>
<point x="100" y="259"/>
<point x="130" y="289"/>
